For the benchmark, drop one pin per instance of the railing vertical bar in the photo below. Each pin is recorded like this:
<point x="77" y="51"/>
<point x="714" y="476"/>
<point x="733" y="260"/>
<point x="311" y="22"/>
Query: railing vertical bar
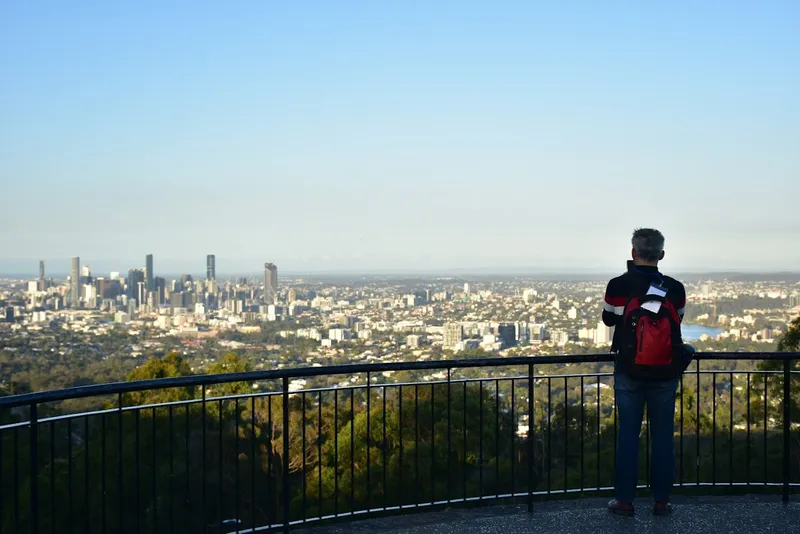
<point x="647" y="446"/>
<point x="449" y="433"/>
<point x="352" y="450"/>
<point x="416" y="444"/>
<point x="480" y="435"/>
<point x="400" y="492"/>
<point x="16" y="478"/>
<point x="235" y="462"/>
<point x="171" y="432"/>
<point x="70" y="519"/>
<point x="53" y="514"/>
<point x="730" y="430"/>
<point x="2" y="481"/>
<point x="598" y="431"/>
<point x="220" y="492"/>
<point x="103" y="525"/>
<point x="204" y="467"/>
<point x="34" y="466"/>
<point x="464" y="437"/>
<point x="497" y="437"/>
<point x="303" y="449"/>
<point x="86" y="472"/>
<point x="336" y="452"/>
<point x="747" y="466"/>
<point x="513" y="427"/>
<point x="271" y="497"/>
<point x="787" y="425"/>
<point x="680" y="459"/>
<point x="369" y="439"/>
<point x="549" y="434"/>
<point x="187" y="467"/>
<point x="319" y="454"/>
<point x="383" y="451"/>
<point x="253" y="462"/>
<point x="765" y="427"/>
<point x="154" y="480"/>
<point x="530" y="443"/>
<point x="433" y="443"/>
<point x="713" y="429"/>
<point x="566" y="433"/>
<point x="286" y="453"/>
<point x="697" y="422"/>
<point x="120" y="464"/>
<point x="583" y="422"/>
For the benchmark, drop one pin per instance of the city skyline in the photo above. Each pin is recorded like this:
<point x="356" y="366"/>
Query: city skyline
<point x="416" y="136"/>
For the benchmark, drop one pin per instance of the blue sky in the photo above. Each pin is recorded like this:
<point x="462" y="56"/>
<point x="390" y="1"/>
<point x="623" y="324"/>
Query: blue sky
<point x="412" y="135"/>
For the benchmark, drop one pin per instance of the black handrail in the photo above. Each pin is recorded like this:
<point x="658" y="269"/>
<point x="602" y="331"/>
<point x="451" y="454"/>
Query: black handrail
<point x="115" y="388"/>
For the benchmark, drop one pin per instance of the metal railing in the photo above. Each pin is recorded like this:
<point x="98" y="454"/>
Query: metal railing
<point x="262" y="451"/>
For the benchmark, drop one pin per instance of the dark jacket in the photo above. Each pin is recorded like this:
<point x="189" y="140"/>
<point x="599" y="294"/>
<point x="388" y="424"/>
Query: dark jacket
<point x="635" y="282"/>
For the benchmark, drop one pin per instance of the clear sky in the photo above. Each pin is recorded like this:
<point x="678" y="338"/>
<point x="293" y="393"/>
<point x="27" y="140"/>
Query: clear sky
<point x="359" y="135"/>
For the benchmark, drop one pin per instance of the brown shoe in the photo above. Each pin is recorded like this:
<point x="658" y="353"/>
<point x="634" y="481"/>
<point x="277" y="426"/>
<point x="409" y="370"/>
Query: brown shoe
<point x="620" y="508"/>
<point x="662" y="508"/>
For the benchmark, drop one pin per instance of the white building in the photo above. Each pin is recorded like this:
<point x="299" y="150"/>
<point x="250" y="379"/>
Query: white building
<point x="452" y="335"/>
<point x="604" y="334"/>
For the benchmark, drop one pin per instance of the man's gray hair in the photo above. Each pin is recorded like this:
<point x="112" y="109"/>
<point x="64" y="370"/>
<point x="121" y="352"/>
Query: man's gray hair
<point x="648" y="243"/>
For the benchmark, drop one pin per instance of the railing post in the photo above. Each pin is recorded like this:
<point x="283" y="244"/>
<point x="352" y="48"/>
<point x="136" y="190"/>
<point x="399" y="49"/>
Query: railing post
<point x="530" y="438"/>
<point x="285" y="488"/>
<point x="787" y="424"/>
<point x="34" y="437"/>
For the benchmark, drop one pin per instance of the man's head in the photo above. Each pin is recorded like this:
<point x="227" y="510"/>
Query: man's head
<point x="648" y="246"/>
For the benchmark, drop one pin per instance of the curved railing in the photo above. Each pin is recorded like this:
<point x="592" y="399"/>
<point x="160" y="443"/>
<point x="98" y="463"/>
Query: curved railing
<point x="264" y="450"/>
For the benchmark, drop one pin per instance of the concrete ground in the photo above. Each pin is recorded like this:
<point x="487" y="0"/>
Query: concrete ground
<point x="691" y="515"/>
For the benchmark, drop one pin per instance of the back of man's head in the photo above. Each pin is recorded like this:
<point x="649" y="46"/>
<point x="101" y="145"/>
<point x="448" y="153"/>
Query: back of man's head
<point x="648" y="245"/>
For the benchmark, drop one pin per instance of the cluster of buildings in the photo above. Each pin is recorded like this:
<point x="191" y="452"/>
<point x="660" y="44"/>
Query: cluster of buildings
<point x="378" y="318"/>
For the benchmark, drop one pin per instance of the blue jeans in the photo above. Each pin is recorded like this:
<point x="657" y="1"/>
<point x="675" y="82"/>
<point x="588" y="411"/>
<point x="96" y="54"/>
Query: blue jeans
<point x="632" y="395"/>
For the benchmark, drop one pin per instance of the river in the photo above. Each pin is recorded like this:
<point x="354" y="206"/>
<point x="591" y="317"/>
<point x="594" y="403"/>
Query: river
<point x="692" y="332"/>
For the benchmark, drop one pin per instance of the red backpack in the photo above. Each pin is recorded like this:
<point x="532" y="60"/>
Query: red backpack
<point x="649" y="342"/>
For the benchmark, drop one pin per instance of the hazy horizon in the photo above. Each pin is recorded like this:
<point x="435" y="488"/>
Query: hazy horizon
<point x="414" y="136"/>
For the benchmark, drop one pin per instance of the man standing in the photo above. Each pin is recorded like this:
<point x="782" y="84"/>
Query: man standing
<point x="646" y="308"/>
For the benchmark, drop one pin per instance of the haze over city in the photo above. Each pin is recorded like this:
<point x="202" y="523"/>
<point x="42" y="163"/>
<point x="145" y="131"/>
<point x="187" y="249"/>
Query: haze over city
<point x="422" y="136"/>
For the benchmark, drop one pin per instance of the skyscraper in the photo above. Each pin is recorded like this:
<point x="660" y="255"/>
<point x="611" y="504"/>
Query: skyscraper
<point x="211" y="267"/>
<point x="508" y="333"/>
<point x="270" y="284"/>
<point x="134" y="277"/>
<point x="149" y="273"/>
<point x="41" y="270"/>
<point x="75" y="283"/>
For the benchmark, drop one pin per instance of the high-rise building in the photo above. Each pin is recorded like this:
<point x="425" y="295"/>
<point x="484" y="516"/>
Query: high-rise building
<point x="508" y="333"/>
<point x="270" y="283"/>
<point x="148" y="270"/>
<point x="292" y="295"/>
<point x="452" y="335"/>
<point x="134" y="277"/>
<point x="211" y="267"/>
<point x="75" y="283"/>
<point x="467" y="288"/>
<point x="41" y="270"/>
<point x="604" y="334"/>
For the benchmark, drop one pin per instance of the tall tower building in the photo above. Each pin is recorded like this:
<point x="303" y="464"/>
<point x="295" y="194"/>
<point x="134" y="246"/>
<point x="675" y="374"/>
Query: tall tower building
<point x="75" y="283"/>
<point x="149" y="273"/>
<point x="41" y="270"/>
<point x="211" y="267"/>
<point x="270" y="283"/>
<point x="134" y="277"/>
